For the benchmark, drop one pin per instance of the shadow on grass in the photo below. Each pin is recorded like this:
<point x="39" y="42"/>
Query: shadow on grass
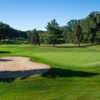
<point x="71" y="47"/>
<point x="10" y="76"/>
<point x="57" y="72"/>
<point x="5" y="52"/>
<point x="82" y="46"/>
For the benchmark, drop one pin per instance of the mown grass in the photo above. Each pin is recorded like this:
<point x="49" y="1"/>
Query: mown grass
<point x="75" y="73"/>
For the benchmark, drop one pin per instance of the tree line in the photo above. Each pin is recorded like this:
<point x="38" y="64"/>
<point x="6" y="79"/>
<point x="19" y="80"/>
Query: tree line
<point x="86" y="30"/>
<point x="9" y="33"/>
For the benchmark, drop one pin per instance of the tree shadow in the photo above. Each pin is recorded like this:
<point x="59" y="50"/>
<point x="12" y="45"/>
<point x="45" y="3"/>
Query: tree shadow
<point x="7" y="80"/>
<point x="10" y="76"/>
<point x="75" y="46"/>
<point x="5" y="52"/>
<point x="5" y="60"/>
<point x="57" y="72"/>
<point x="71" y="46"/>
<point x="82" y="46"/>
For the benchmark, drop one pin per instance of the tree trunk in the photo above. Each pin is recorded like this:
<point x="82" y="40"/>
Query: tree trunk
<point x="53" y="45"/>
<point x="79" y="43"/>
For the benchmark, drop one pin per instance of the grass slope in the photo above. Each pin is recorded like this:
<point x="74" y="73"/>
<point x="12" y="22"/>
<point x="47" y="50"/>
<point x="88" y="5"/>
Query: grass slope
<point x="75" y="74"/>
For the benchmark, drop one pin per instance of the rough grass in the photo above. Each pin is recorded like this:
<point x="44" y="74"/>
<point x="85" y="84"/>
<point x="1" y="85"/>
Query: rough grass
<point x="75" y="74"/>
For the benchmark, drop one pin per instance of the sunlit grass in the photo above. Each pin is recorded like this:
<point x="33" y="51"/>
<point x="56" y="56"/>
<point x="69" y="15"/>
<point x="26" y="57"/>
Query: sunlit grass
<point x="75" y="73"/>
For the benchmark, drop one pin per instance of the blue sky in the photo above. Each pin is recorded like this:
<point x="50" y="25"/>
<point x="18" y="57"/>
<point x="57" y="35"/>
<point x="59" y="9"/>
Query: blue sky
<point x="30" y="14"/>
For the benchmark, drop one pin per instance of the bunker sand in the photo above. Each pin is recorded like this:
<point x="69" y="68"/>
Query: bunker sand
<point x="13" y="67"/>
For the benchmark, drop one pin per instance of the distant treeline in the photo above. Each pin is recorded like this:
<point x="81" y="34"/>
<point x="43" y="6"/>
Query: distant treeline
<point x="85" y="30"/>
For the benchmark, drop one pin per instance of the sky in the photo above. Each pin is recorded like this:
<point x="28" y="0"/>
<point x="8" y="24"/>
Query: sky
<point x="29" y="14"/>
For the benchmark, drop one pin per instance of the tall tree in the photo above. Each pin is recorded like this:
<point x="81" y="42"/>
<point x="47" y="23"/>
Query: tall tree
<point x="34" y="37"/>
<point x="78" y="33"/>
<point x="54" y="33"/>
<point x="93" y="25"/>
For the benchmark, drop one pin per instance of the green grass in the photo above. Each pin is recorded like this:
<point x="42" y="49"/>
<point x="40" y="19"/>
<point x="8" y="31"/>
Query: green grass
<point x="75" y="74"/>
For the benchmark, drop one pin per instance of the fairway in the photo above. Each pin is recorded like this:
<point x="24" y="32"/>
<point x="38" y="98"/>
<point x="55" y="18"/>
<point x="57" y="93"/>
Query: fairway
<point x="75" y="74"/>
<point x="49" y="50"/>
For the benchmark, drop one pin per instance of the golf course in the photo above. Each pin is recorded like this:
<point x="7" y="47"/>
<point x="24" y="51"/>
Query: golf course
<point x="49" y="49"/>
<point x="74" y="73"/>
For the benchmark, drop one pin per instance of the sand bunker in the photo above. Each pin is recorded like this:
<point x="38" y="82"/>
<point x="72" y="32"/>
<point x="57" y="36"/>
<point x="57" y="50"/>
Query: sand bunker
<point x="20" y="67"/>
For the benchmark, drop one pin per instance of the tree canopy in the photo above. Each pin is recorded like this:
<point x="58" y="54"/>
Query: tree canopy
<point x="85" y="30"/>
